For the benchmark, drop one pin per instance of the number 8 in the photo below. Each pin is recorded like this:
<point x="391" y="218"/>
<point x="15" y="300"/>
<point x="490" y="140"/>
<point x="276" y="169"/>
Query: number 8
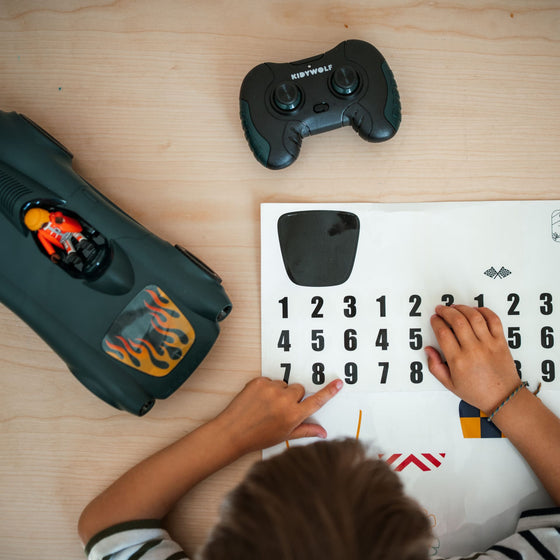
<point x="416" y="375"/>
<point x="318" y="376"/>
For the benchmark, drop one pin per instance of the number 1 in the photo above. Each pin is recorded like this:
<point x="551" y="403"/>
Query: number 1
<point x="382" y="306"/>
<point x="284" y="303"/>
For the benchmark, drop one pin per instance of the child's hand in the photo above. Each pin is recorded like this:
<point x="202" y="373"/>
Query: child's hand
<point x="479" y="369"/>
<point x="268" y="412"/>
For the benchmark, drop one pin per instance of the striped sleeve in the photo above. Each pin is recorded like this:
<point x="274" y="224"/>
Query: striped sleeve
<point x="537" y="537"/>
<point x="134" y="540"/>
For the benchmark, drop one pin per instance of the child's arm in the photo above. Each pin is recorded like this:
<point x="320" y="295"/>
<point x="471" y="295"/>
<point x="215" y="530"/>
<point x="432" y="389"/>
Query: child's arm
<point x="481" y="371"/>
<point x="265" y="413"/>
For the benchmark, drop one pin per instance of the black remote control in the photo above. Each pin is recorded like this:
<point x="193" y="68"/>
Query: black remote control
<point x="352" y="84"/>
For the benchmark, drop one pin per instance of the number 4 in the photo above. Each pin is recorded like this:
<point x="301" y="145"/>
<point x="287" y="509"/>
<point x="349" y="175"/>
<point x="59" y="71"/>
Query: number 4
<point x="381" y="340"/>
<point x="284" y="341"/>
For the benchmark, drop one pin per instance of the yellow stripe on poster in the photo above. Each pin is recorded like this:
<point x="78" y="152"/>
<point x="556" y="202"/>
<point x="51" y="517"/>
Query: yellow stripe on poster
<point x="359" y="425"/>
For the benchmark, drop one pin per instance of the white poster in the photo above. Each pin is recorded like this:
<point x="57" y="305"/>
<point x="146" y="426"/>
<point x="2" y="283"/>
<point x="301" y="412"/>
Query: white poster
<point x="348" y="291"/>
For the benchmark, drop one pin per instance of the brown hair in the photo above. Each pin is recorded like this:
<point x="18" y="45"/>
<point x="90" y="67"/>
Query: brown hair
<point x="326" y="500"/>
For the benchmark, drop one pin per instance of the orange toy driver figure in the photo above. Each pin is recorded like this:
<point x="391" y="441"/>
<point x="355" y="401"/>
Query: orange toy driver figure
<point x="54" y="229"/>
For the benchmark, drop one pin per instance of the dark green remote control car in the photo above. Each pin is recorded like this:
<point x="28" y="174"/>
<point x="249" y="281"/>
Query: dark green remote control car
<point x="130" y="314"/>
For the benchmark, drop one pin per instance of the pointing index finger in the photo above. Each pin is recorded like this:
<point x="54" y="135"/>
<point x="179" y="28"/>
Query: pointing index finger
<point x="314" y="402"/>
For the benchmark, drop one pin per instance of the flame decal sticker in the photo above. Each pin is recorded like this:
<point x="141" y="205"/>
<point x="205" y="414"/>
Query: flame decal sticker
<point x="150" y="334"/>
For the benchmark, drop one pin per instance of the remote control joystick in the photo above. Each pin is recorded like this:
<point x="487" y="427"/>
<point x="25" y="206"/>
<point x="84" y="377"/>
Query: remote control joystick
<point x="345" y="80"/>
<point x="287" y="96"/>
<point x="352" y="84"/>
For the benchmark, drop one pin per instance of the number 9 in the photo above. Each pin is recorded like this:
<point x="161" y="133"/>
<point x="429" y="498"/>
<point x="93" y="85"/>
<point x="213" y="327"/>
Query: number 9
<point x="351" y="373"/>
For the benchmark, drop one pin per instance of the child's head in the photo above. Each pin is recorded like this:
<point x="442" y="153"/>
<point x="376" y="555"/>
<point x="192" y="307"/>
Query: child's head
<point x="326" y="500"/>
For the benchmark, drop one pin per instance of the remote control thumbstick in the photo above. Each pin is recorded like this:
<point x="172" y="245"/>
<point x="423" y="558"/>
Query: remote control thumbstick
<point x="345" y="80"/>
<point x="287" y="96"/>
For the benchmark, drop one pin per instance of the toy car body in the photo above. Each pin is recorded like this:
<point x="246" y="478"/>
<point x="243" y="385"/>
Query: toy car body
<point x="130" y="314"/>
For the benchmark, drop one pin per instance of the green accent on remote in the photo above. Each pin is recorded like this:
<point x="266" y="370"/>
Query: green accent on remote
<point x="392" y="109"/>
<point x="260" y="147"/>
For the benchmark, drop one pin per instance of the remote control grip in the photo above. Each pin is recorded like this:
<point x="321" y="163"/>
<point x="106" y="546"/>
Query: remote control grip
<point x="392" y="110"/>
<point x="377" y="123"/>
<point x="280" y="150"/>
<point x="369" y="129"/>
<point x="258" y="144"/>
<point x="286" y="153"/>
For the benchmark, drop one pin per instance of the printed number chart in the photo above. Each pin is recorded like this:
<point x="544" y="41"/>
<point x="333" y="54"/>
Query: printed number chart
<point x="348" y="291"/>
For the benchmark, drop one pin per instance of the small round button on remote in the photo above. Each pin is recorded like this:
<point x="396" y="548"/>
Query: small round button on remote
<point x="287" y="96"/>
<point x="345" y="80"/>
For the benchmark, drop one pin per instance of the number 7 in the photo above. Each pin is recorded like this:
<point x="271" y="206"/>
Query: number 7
<point x="287" y="369"/>
<point x="384" y="371"/>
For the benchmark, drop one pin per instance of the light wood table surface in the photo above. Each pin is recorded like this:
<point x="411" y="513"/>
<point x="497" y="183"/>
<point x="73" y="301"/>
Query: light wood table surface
<point x="145" y="94"/>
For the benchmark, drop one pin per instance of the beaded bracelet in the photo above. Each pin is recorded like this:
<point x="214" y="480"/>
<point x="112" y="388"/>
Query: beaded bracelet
<point x="523" y="384"/>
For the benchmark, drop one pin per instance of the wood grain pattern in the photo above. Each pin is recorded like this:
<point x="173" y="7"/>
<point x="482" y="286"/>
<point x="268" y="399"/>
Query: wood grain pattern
<point x="145" y="95"/>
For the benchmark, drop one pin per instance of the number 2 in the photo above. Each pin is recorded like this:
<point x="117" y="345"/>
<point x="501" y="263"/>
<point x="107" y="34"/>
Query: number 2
<point x="447" y="299"/>
<point x="416" y="300"/>
<point x="317" y="301"/>
<point x="514" y="298"/>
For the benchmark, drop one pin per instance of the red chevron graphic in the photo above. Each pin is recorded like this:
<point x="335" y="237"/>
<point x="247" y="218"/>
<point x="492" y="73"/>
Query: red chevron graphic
<point x="426" y="462"/>
<point x="412" y="459"/>
<point x="392" y="458"/>
<point x="432" y="459"/>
